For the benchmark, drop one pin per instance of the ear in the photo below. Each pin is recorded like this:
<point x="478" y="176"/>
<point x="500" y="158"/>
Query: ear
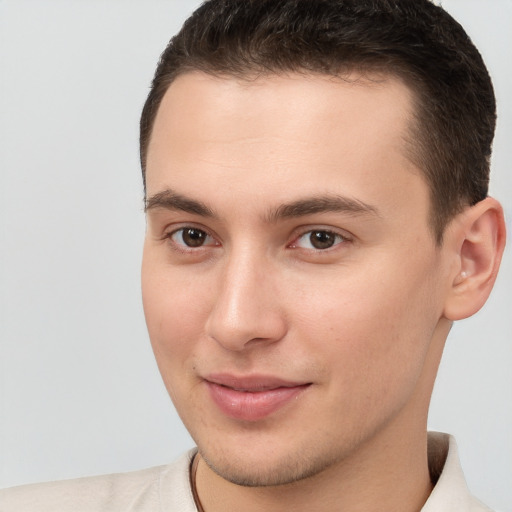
<point x="478" y="239"/>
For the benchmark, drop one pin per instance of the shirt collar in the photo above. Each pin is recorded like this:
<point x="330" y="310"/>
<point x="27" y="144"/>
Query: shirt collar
<point x="451" y="491"/>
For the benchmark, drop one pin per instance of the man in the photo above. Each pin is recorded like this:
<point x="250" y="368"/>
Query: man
<point x="317" y="217"/>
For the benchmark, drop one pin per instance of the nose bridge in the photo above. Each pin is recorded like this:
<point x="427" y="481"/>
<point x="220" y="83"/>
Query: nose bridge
<point x="246" y="308"/>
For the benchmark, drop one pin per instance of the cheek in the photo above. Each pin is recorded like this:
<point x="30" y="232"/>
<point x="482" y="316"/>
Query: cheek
<point x="174" y="319"/>
<point x="175" y="307"/>
<point x="372" y="329"/>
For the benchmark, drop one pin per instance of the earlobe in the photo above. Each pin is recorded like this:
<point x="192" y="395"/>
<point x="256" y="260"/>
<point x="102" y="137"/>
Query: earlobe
<point x="480" y="240"/>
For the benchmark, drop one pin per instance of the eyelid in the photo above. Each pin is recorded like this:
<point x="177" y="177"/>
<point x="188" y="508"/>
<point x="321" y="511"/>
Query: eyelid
<point x="178" y="226"/>
<point x="301" y="232"/>
<point x="170" y="231"/>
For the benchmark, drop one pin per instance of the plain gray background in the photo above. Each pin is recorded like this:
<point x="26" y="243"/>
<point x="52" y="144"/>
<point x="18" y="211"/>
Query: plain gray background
<point x="80" y="393"/>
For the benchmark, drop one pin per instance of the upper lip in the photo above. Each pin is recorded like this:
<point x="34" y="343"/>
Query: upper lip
<point x="251" y="382"/>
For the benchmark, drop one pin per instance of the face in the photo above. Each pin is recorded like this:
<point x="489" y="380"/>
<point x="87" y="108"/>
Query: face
<point x="291" y="284"/>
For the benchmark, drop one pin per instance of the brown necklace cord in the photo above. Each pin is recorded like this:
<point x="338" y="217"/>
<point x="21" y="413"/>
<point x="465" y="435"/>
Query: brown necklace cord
<point x="193" y="471"/>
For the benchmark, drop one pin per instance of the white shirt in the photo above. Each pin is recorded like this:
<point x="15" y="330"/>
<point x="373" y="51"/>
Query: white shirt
<point x="167" y="488"/>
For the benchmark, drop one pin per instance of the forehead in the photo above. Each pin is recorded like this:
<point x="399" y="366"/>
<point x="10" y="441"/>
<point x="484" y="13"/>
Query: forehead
<point x="196" y="102"/>
<point x="290" y="133"/>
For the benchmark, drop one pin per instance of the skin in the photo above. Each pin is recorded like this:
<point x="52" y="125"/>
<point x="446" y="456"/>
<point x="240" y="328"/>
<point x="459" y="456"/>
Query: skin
<point x="362" y="323"/>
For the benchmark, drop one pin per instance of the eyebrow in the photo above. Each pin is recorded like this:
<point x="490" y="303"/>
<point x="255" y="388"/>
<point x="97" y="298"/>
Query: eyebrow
<point x="170" y="200"/>
<point x="322" y="204"/>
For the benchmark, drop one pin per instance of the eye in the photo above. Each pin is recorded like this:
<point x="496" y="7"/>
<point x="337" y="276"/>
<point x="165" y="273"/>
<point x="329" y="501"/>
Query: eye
<point x="191" y="237"/>
<point x="318" y="239"/>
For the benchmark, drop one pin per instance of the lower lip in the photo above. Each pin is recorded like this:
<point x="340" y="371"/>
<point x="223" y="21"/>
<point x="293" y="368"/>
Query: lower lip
<point x="252" y="406"/>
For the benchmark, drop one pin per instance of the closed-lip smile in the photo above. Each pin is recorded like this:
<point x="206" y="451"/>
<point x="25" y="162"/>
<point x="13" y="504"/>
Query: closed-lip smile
<point x="253" y="397"/>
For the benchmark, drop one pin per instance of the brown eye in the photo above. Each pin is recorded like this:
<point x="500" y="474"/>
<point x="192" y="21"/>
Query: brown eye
<point x="319" y="239"/>
<point x="190" y="237"/>
<point x="194" y="237"/>
<point x="322" y="239"/>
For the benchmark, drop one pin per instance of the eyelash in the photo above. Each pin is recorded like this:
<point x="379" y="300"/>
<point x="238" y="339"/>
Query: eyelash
<point x="336" y="238"/>
<point x="185" y="248"/>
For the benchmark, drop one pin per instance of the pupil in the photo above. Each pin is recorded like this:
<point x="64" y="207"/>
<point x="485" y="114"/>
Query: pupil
<point x="194" y="237"/>
<point x="321" y="239"/>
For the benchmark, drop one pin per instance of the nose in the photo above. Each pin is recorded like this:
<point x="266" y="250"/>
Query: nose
<point x="247" y="310"/>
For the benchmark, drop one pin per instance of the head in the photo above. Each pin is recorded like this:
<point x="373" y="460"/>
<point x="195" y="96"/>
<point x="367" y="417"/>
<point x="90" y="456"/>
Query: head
<point x="451" y="133"/>
<point x="317" y="217"/>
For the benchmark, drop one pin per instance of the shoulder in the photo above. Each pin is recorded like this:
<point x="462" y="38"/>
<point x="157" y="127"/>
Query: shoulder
<point x="136" y="490"/>
<point x="106" y="492"/>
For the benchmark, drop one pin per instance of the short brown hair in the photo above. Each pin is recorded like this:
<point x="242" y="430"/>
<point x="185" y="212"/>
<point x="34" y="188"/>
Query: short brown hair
<point x="415" y="40"/>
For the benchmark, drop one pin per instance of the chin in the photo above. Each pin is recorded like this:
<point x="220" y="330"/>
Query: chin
<point x="266" y="470"/>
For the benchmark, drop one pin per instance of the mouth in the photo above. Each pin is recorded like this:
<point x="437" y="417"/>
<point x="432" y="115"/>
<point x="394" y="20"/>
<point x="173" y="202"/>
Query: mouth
<point x="252" y="398"/>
